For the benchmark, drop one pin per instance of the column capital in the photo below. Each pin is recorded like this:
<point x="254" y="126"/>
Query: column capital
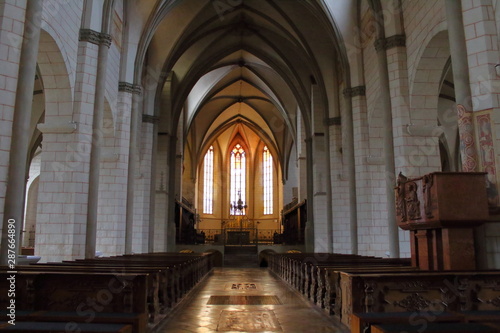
<point x="105" y="39"/>
<point x="130" y="88"/>
<point x="335" y="121"/>
<point x="94" y="37"/>
<point x="146" y="118"/>
<point x="390" y="42"/>
<point x="355" y="91"/>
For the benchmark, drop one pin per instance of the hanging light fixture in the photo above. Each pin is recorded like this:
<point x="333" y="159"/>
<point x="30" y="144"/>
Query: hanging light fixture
<point x="238" y="207"/>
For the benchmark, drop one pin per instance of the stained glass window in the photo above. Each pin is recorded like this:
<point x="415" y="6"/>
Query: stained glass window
<point x="208" y="187"/>
<point x="238" y="178"/>
<point x="267" y="171"/>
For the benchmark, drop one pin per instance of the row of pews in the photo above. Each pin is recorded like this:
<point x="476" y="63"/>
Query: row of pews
<point x="126" y="294"/>
<point x="371" y="294"/>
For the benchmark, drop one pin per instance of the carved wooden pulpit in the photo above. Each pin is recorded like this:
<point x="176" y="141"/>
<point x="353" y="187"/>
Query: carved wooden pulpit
<point x="441" y="210"/>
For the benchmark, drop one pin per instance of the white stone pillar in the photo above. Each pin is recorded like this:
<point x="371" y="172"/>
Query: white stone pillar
<point x="388" y="141"/>
<point x="154" y="179"/>
<point x="348" y="151"/>
<point x="461" y="81"/>
<point x="16" y="182"/>
<point x="133" y="160"/>
<point x="323" y="236"/>
<point x="12" y="35"/>
<point x="95" y="153"/>
<point x="309" y="232"/>
<point x="170" y="231"/>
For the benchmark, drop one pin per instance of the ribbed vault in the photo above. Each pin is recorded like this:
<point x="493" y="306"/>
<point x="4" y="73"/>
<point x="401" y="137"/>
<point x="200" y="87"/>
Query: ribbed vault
<point x="248" y="62"/>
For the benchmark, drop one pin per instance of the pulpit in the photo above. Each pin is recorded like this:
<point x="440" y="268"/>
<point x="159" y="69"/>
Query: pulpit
<point x="441" y="210"/>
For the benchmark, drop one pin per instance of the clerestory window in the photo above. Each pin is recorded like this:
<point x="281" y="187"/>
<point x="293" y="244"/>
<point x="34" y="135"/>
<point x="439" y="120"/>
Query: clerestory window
<point x="208" y="187"/>
<point x="267" y="166"/>
<point x="238" y="178"/>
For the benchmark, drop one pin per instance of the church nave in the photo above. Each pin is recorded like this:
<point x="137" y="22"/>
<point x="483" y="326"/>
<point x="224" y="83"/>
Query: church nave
<point x="293" y="315"/>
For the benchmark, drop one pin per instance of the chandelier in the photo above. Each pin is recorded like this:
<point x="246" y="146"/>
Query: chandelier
<point x="238" y="207"/>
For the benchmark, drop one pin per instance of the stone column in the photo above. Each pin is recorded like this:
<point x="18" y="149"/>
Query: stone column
<point x="322" y="197"/>
<point x="461" y="80"/>
<point x="309" y="235"/>
<point x="95" y="154"/>
<point x="16" y="183"/>
<point x="329" y="191"/>
<point x="152" y="202"/>
<point x="388" y="140"/>
<point x="13" y="37"/>
<point x="133" y="159"/>
<point x="348" y="142"/>
<point x="170" y="230"/>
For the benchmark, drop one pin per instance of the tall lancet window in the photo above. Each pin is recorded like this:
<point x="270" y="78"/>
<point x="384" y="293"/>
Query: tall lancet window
<point x="267" y="172"/>
<point x="238" y="177"/>
<point x="208" y="187"/>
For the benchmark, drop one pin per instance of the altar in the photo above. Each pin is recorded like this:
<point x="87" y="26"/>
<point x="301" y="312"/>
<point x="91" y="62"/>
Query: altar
<point x="238" y="237"/>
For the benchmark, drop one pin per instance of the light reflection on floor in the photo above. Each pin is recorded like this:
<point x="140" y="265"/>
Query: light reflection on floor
<point x="294" y="315"/>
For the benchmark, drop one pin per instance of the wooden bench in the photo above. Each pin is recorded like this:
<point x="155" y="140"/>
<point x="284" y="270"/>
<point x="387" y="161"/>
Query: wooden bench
<point x="451" y="291"/>
<point x="138" y="321"/>
<point x="63" y="327"/>
<point x="177" y="273"/>
<point x="303" y="271"/>
<point x="344" y="285"/>
<point x="434" y="328"/>
<point x="289" y="266"/>
<point x="362" y="322"/>
<point x="484" y="316"/>
<point x="316" y="275"/>
<point x="164" y="278"/>
<point x="83" y="293"/>
<point x="156" y="302"/>
<point x="167" y="278"/>
<point x="329" y="290"/>
<point x="185" y="270"/>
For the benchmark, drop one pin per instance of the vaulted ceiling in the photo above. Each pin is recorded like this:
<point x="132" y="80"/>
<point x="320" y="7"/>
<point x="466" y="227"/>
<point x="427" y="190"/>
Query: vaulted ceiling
<point x="242" y="63"/>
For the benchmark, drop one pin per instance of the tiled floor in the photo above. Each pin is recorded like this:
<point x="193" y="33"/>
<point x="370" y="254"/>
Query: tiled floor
<point x="294" y="314"/>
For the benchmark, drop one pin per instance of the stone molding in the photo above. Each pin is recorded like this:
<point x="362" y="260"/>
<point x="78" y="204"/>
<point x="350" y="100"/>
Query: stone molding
<point x="355" y="91"/>
<point x="95" y="37"/>
<point x="57" y="127"/>
<point x="390" y="42"/>
<point x="375" y="160"/>
<point x="146" y="118"/>
<point x="130" y="88"/>
<point x="335" y="121"/>
<point x="430" y="131"/>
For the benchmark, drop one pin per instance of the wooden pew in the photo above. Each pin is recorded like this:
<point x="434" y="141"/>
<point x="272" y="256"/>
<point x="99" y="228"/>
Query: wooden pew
<point x="328" y="297"/>
<point x="138" y="321"/>
<point x="85" y="294"/>
<point x="314" y="275"/>
<point x="155" y="302"/>
<point x="301" y="270"/>
<point x="362" y="322"/>
<point x="166" y="277"/>
<point x="435" y="328"/>
<point x="344" y="285"/>
<point x="485" y="316"/>
<point x="177" y="273"/>
<point x="169" y="290"/>
<point x="452" y="291"/>
<point x="185" y="270"/>
<point x="64" y="327"/>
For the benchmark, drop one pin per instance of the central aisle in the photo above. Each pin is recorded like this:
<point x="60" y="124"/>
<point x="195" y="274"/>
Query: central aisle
<point x="246" y="300"/>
